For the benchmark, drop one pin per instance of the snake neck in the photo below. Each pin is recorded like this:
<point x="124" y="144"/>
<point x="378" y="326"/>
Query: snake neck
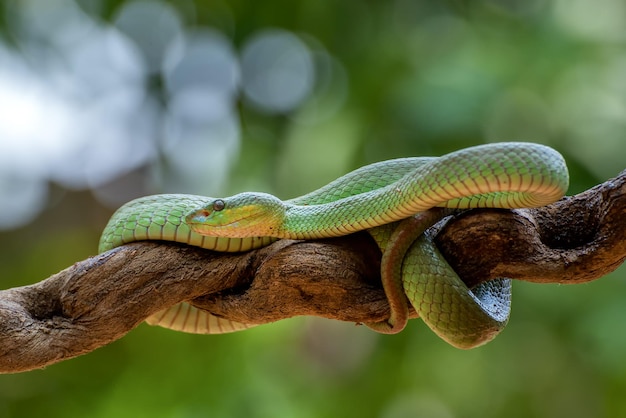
<point x="341" y="217"/>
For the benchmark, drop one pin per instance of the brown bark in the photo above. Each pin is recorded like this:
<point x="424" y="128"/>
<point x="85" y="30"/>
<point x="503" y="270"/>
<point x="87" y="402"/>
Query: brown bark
<point x="98" y="300"/>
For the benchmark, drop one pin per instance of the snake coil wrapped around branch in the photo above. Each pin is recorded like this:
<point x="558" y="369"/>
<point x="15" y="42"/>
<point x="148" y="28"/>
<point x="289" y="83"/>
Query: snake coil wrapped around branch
<point x="96" y="301"/>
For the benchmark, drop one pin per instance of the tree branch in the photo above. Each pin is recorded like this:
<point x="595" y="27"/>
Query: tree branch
<point x="96" y="301"/>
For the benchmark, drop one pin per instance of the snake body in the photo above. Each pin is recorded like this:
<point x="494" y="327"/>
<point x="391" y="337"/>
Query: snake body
<point x="162" y="217"/>
<point x="387" y="199"/>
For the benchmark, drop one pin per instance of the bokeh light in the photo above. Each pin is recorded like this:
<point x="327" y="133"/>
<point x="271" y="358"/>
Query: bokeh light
<point x="278" y="71"/>
<point x="77" y="104"/>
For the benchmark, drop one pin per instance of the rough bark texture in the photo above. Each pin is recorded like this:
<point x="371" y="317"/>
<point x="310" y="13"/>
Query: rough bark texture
<point x="98" y="300"/>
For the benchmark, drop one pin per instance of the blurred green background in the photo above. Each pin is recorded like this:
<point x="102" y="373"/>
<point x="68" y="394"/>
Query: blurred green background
<point x="102" y="101"/>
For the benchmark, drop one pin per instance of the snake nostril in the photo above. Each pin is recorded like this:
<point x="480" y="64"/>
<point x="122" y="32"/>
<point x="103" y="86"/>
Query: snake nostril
<point x="198" y="215"/>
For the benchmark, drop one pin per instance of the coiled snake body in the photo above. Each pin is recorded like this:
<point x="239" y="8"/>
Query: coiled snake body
<point x="394" y="200"/>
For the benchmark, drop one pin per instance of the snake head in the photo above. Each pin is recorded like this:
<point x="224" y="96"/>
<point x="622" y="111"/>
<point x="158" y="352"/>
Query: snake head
<point x="239" y="216"/>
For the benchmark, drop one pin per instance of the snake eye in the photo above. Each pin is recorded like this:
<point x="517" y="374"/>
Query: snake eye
<point x="218" y="205"/>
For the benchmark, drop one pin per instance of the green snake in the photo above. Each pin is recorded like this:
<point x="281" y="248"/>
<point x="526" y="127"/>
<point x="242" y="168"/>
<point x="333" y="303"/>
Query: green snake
<point x="395" y="201"/>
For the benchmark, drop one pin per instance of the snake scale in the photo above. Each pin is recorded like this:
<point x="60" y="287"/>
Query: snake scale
<point x="395" y="201"/>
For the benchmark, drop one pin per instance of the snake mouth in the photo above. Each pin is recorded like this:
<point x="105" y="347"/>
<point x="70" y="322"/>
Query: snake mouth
<point x="211" y="222"/>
